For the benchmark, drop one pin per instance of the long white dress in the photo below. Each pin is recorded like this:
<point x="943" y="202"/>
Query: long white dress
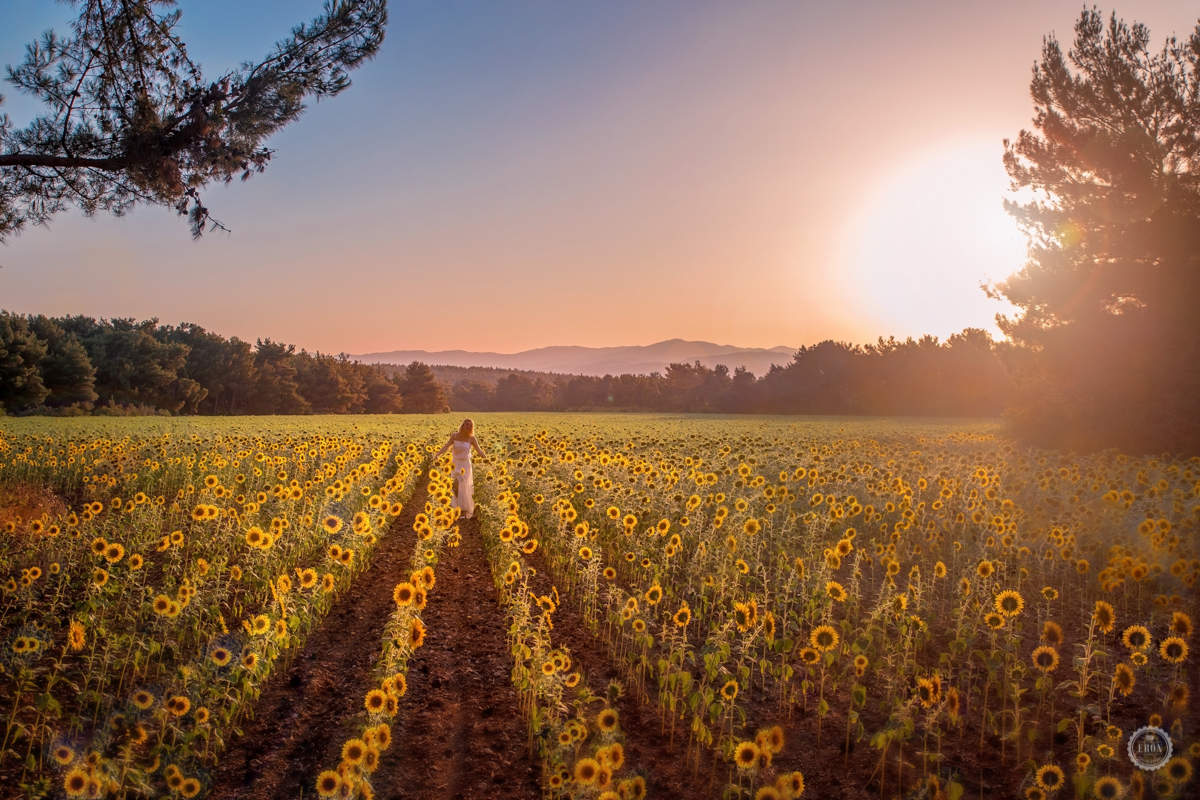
<point x="461" y="471"/>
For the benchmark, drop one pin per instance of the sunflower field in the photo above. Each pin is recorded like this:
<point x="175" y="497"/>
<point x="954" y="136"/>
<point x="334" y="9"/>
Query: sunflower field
<point x="799" y="606"/>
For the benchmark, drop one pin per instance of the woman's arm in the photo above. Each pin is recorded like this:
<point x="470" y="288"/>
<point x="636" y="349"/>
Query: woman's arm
<point x="445" y="447"/>
<point x="478" y="449"/>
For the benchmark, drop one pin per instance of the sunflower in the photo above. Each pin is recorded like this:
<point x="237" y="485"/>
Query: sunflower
<point x="1181" y="624"/>
<point x="332" y="523"/>
<point x="1107" y="788"/>
<point x="683" y="616"/>
<point x="1009" y="603"/>
<point x="1052" y="633"/>
<point x="1136" y="637"/>
<point x="745" y="614"/>
<point x="730" y="690"/>
<point x="823" y="638"/>
<point x="396" y="685"/>
<point x="985" y="568"/>
<point x="1173" y="649"/>
<point x="791" y="784"/>
<point x="586" y="771"/>
<point x="835" y="591"/>
<point x="370" y="760"/>
<point x="220" y="656"/>
<point x="1179" y="695"/>
<point x="745" y="755"/>
<point x="76" y="635"/>
<point x="380" y="736"/>
<point x="1050" y="777"/>
<point x="178" y="705"/>
<point x="1045" y="658"/>
<point x="375" y="701"/>
<point x="929" y="691"/>
<point x="653" y="594"/>
<point x="1104" y="617"/>
<point x="810" y="655"/>
<point x="773" y="739"/>
<point x="607" y="720"/>
<point x="75" y="782"/>
<point x="143" y="699"/>
<point x="1049" y="592"/>
<point x="403" y="593"/>
<point x="353" y="751"/>
<point x="993" y="620"/>
<point x="1179" y="770"/>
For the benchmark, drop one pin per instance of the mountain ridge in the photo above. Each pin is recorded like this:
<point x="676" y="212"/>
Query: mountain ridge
<point x="599" y="361"/>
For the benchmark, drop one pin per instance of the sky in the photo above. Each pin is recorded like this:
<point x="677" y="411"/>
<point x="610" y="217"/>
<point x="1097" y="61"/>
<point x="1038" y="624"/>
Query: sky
<point x="511" y="175"/>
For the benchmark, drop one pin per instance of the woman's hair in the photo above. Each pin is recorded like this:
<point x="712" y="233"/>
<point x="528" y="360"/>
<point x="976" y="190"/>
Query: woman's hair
<point x="466" y="428"/>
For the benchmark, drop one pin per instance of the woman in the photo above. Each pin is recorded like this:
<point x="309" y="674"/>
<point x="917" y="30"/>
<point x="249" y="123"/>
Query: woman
<point x="464" y="483"/>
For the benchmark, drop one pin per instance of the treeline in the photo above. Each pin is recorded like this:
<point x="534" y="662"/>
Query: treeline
<point x="963" y="376"/>
<point x="80" y="364"/>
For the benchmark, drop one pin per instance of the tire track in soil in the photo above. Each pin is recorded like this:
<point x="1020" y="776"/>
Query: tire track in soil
<point x="460" y="732"/>
<point x="648" y="749"/>
<point x="301" y="718"/>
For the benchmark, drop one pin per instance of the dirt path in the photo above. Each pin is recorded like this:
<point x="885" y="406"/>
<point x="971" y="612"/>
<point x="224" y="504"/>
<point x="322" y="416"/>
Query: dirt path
<point x="648" y="750"/>
<point x="460" y="732"/>
<point x="301" y="717"/>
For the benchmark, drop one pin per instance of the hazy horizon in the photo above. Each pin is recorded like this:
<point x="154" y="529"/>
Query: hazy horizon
<point x="762" y="174"/>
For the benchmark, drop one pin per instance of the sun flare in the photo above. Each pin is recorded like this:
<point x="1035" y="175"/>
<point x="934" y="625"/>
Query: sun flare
<point x="926" y="237"/>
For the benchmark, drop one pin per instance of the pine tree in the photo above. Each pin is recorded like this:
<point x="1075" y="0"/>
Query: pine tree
<point x="1110" y="349"/>
<point x="130" y="117"/>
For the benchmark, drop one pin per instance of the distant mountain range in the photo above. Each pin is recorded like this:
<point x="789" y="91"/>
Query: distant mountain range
<point x="636" y="360"/>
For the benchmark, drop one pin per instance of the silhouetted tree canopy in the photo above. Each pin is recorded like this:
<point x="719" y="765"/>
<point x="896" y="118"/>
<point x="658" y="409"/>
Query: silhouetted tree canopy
<point x="1109" y="295"/>
<point x="130" y="118"/>
<point x="420" y="390"/>
<point x="79" y="365"/>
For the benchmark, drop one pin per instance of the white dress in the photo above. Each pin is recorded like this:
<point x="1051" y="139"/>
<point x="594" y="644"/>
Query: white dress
<point x="461" y="471"/>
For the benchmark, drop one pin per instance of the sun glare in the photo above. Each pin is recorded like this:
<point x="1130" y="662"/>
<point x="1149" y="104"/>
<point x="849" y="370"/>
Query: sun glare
<point x="925" y="239"/>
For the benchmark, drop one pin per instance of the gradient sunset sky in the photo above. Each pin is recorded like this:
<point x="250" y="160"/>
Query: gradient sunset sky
<point x="508" y="175"/>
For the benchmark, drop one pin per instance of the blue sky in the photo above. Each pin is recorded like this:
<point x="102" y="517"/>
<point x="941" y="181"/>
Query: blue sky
<point x="511" y="175"/>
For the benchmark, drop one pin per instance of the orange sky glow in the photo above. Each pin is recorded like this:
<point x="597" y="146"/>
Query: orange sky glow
<point x="758" y="174"/>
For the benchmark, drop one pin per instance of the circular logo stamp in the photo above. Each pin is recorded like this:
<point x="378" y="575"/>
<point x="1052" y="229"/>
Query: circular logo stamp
<point x="1149" y="748"/>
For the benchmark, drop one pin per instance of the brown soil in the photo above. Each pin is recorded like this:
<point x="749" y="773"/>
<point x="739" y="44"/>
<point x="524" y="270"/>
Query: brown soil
<point x="23" y="503"/>
<point x="649" y="750"/>
<point x="459" y="733"/>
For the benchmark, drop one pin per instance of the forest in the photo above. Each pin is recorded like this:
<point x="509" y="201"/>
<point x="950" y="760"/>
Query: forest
<point x="77" y="365"/>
